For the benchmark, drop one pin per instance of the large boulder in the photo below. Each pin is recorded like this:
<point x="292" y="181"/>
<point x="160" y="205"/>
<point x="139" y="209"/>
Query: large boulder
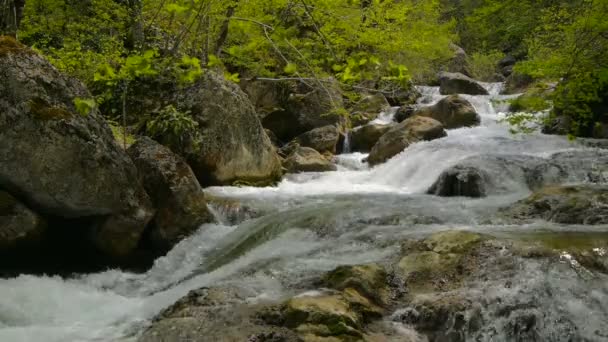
<point x="460" y="61"/>
<point x="456" y="83"/>
<point x="306" y="159"/>
<point x="60" y="162"/>
<point x="176" y="194"/>
<point x="580" y="204"/>
<point x="368" y="108"/>
<point x="453" y="112"/>
<point x="401" y="136"/>
<point x="305" y="108"/>
<point x="397" y="93"/>
<point x="363" y="139"/>
<point x="234" y="146"/>
<point x="323" y="139"/>
<point x="18" y="224"/>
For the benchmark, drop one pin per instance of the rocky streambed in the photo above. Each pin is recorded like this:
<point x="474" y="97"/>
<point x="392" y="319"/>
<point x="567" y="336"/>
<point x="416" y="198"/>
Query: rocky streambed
<point x="459" y="231"/>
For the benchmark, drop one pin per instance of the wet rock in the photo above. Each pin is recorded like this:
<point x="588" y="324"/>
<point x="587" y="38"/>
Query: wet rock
<point x="440" y="261"/>
<point x="306" y="159"/>
<point x="323" y="139"/>
<point x="64" y="164"/>
<point x="370" y="280"/>
<point x="401" y="136"/>
<point x="452" y="112"/>
<point x="461" y="181"/>
<point x="18" y="224"/>
<point x="452" y="241"/>
<point x="220" y="314"/>
<point x="368" y="108"/>
<point x="234" y="146"/>
<point x="364" y="138"/>
<point x="175" y="192"/>
<point x="323" y="315"/>
<point x="306" y="108"/>
<point x="404" y="113"/>
<point x="581" y="204"/>
<point x="456" y="83"/>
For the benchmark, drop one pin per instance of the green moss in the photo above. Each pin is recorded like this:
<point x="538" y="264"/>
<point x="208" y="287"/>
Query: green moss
<point x="8" y="45"/>
<point x="119" y="135"/>
<point x="42" y="110"/>
<point x="571" y="241"/>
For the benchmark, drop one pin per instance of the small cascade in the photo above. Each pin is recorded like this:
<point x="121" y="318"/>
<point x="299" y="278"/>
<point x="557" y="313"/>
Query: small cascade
<point x="386" y="117"/>
<point x="346" y="146"/>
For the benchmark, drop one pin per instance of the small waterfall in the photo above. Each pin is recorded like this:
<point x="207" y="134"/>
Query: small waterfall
<point x="346" y="146"/>
<point x="386" y="117"/>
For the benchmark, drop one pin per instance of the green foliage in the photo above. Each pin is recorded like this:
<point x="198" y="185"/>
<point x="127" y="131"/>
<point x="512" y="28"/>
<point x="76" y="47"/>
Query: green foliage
<point x="483" y="66"/>
<point x="174" y="128"/>
<point x="523" y="122"/>
<point x="84" y="106"/>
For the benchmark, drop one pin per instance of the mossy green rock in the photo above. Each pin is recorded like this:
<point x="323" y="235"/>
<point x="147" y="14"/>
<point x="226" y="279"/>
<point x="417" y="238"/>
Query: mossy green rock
<point x="62" y="163"/>
<point x="452" y="241"/>
<point x="579" y="204"/>
<point x="325" y="315"/>
<point x="369" y="280"/>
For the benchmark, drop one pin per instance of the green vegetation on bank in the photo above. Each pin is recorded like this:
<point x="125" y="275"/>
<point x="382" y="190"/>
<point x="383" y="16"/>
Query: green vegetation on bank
<point x="112" y="45"/>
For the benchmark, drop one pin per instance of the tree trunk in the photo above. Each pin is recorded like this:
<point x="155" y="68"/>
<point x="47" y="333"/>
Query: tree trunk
<point x="11" y="13"/>
<point x="219" y="44"/>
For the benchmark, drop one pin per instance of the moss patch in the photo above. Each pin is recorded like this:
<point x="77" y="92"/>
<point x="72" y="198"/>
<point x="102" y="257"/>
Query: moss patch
<point x="8" y="45"/>
<point x="42" y="110"/>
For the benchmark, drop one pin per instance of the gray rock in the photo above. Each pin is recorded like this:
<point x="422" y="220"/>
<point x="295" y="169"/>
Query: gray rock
<point x="457" y="83"/>
<point x="306" y="108"/>
<point x="176" y="194"/>
<point x="453" y="112"/>
<point x="412" y="130"/>
<point x="323" y="139"/>
<point x="234" y="146"/>
<point x="306" y="159"/>
<point x="364" y="138"/>
<point x="63" y="163"/>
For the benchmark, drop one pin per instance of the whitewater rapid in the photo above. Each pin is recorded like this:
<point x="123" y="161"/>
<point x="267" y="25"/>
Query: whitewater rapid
<point x="116" y="305"/>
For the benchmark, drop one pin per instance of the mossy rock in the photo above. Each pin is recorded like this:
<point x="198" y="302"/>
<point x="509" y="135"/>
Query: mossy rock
<point x="452" y="241"/>
<point x="42" y="110"/>
<point x="9" y="46"/>
<point x="370" y="280"/>
<point x="324" y="315"/>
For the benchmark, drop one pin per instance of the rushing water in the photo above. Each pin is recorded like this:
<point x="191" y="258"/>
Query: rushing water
<point x="309" y="223"/>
